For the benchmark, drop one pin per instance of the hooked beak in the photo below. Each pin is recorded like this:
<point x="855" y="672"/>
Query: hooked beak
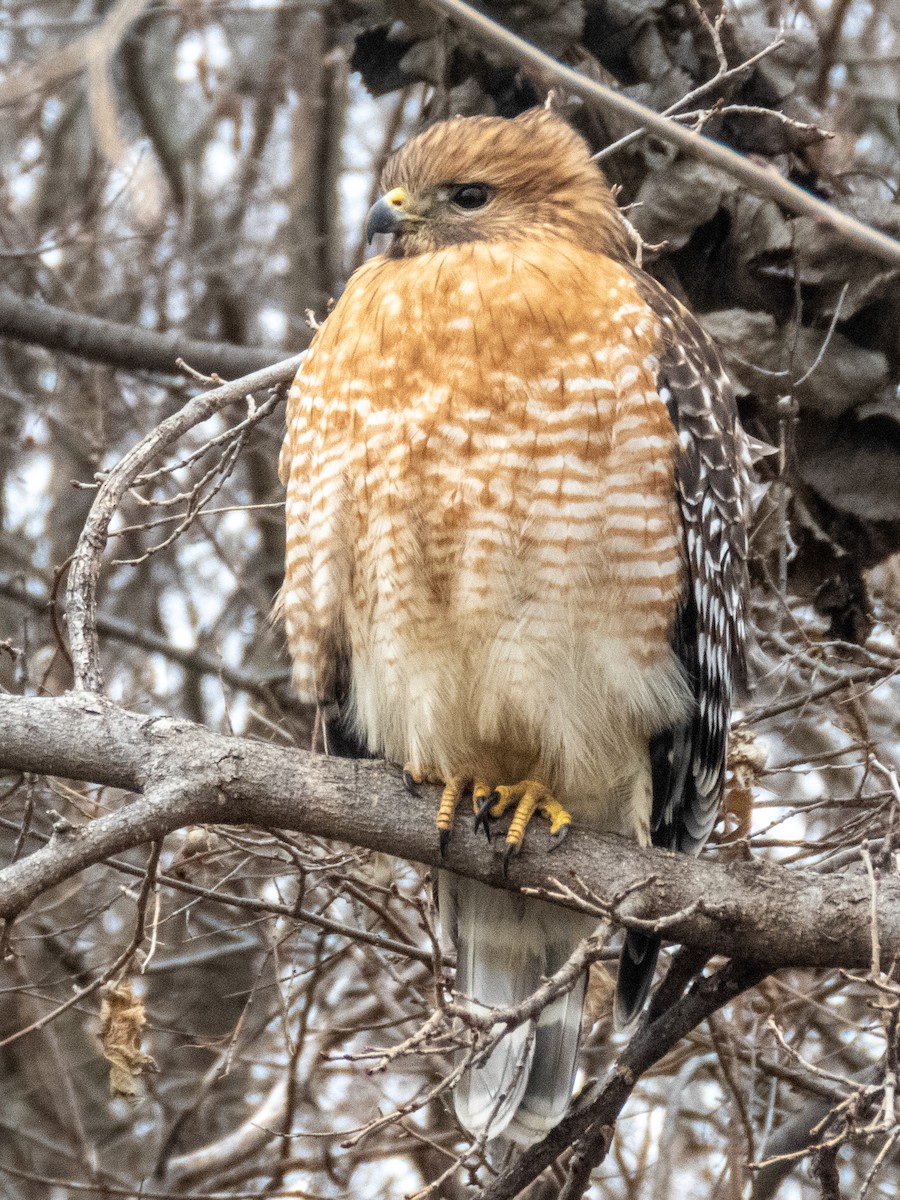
<point x="388" y="214"/>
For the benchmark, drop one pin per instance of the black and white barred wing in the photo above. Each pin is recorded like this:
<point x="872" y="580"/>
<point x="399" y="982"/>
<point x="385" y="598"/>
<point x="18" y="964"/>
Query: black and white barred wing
<point x="713" y="480"/>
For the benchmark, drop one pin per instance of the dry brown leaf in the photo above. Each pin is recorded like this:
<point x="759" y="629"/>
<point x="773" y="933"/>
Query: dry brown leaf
<point x="676" y="199"/>
<point x="601" y="990"/>
<point x="122" y="1020"/>
<point x="746" y="759"/>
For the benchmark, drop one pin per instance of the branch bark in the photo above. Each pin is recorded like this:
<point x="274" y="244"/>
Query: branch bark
<point x="767" y="913"/>
<point x="120" y="345"/>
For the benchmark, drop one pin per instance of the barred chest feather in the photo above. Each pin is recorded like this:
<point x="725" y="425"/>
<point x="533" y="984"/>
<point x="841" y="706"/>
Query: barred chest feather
<point x="481" y="502"/>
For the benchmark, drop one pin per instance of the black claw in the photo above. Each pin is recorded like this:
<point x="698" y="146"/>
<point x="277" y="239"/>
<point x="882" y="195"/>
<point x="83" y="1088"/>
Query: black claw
<point x="483" y="816"/>
<point x="558" y="838"/>
<point x="444" y="842"/>
<point x="410" y="783"/>
<point x="508" y="855"/>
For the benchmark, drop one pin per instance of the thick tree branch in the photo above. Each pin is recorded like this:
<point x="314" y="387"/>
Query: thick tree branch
<point x="777" y="916"/>
<point x="121" y="345"/>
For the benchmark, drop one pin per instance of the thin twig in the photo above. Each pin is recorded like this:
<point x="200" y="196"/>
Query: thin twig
<point x="703" y="90"/>
<point x="120" y="964"/>
<point x="82" y="591"/>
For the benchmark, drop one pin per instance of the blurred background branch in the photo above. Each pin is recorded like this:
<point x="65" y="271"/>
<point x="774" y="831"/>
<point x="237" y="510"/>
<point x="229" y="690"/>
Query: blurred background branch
<point x="120" y="345"/>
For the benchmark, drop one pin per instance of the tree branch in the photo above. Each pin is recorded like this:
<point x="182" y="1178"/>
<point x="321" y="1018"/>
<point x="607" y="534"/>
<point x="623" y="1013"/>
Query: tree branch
<point x="121" y="345"/>
<point x="81" y="607"/>
<point x="198" y="661"/>
<point x="770" y="914"/>
<point x="78" y="54"/>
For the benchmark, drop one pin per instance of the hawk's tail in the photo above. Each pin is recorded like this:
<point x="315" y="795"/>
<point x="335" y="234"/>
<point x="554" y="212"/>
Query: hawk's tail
<point x="506" y="946"/>
<point x="637" y="966"/>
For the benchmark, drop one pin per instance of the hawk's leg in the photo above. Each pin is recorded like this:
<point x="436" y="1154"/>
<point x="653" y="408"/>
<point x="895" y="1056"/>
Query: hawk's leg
<point x="526" y="798"/>
<point x="454" y="790"/>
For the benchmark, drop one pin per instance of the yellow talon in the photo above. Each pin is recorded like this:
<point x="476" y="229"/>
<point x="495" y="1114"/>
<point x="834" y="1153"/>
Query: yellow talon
<point x="450" y="797"/>
<point x="480" y="793"/>
<point x="525" y="810"/>
<point x="529" y="797"/>
<point x="412" y="776"/>
<point x="505" y="797"/>
<point x="526" y="798"/>
<point x="558" y="817"/>
<point x="452" y="793"/>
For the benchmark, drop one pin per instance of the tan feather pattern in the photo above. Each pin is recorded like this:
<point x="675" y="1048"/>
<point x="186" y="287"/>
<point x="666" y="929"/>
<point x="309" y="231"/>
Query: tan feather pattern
<point x="481" y="502"/>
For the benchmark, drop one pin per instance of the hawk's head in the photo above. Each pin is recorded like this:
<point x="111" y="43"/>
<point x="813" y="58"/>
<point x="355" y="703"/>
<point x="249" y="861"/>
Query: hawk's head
<point x="492" y="179"/>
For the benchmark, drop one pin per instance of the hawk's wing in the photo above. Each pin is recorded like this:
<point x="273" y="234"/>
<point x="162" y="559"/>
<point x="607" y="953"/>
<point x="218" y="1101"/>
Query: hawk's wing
<point x="712" y="475"/>
<point x="713" y="480"/>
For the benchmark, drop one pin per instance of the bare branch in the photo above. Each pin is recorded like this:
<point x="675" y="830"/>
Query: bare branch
<point x="121" y="345"/>
<point x="80" y="53"/>
<point x="199" y="661"/>
<point x="704" y="89"/>
<point x="81" y="597"/>
<point x="775" y="915"/>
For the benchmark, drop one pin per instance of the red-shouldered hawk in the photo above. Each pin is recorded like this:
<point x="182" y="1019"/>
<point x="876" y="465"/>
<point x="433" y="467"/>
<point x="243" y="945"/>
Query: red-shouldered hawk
<point x="516" y="547"/>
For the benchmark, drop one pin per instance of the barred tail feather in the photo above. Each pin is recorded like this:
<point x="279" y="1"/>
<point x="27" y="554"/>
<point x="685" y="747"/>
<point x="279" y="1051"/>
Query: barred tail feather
<point x="549" y="1089"/>
<point x="506" y="945"/>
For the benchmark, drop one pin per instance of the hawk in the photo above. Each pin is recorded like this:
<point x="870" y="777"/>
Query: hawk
<point x="516" y="547"/>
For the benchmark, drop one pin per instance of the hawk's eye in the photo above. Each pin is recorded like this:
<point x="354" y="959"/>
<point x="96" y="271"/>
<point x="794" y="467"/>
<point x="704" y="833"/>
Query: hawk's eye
<point x="470" y="196"/>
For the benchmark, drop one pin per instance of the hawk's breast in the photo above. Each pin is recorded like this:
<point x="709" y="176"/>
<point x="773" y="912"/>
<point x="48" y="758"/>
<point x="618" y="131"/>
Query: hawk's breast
<point x="481" y="498"/>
